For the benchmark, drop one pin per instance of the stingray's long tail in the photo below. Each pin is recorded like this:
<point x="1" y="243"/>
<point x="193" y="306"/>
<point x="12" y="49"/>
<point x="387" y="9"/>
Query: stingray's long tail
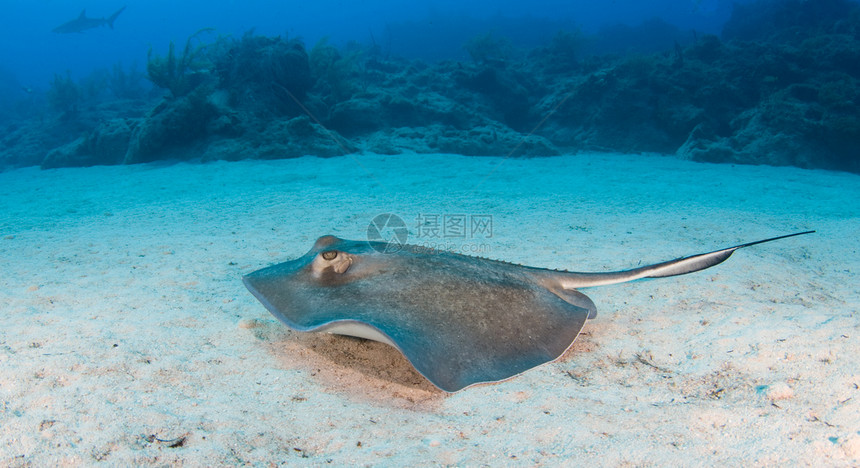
<point x="679" y="266"/>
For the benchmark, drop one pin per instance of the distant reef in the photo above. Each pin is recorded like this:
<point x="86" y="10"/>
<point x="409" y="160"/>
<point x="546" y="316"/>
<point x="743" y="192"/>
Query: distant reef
<point x="780" y="86"/>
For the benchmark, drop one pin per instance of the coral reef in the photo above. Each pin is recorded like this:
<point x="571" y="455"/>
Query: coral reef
<point x="126" y="85"/>
<point x="780" y="86"/>
<point x="64" y="94"/>
<point x="182" y="74"/>
<point x="258" y="72"/>
<point x="170" y="131"/>
<point x="105" y="145"/>
<point x="486" y="48"/>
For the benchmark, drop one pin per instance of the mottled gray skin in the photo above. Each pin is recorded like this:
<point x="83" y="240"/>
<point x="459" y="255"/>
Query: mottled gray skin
<point x="459" y="320"/>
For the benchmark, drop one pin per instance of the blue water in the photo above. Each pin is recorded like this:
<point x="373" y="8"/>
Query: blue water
<point x="31" y="53"/>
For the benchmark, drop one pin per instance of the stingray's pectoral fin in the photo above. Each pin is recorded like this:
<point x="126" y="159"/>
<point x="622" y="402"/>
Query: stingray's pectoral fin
<point x="576" y="298"/>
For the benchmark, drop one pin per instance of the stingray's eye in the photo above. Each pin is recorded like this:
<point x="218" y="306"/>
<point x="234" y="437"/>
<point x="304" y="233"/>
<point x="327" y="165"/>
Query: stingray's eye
<point x="329" y="254"/>
<point x="331" y="262"/>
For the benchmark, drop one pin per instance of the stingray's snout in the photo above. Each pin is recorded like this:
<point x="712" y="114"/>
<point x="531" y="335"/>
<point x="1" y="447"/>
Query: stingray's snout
<point x="330" y="262"/>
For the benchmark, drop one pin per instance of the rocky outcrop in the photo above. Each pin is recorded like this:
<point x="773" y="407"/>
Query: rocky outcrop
<point x="106" y="145"/>
<point x="782" y="87"/>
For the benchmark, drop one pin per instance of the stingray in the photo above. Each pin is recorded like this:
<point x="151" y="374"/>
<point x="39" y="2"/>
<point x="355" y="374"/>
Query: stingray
<point x="459" y="320"/>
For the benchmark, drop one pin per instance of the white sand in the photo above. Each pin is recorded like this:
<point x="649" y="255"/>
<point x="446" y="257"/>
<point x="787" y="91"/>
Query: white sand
<point x="123" y="319"/>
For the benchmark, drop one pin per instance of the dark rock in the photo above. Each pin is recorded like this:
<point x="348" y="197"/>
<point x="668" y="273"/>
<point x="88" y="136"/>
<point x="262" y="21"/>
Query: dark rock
<point x="68" y="155"/>
<point x="25" y="145"/>
<point x="269" y="76"/>
<point x="106" y="145"/>
<point x="707" y="49"/>
<point x="785" y="19"/>
<point x="281" y="139"/>
<point x="172" y="126"/>
<point x="357" y="115"/>
<point x="491" y="140"/>
<point x="380" y="111"/>
<point x="509" y="98"/>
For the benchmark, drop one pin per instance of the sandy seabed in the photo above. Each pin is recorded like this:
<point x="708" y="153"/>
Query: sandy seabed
<point x="127" y="337"/>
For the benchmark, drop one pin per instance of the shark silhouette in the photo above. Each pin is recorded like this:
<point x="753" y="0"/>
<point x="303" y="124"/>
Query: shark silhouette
<point x="82" y="23"/>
